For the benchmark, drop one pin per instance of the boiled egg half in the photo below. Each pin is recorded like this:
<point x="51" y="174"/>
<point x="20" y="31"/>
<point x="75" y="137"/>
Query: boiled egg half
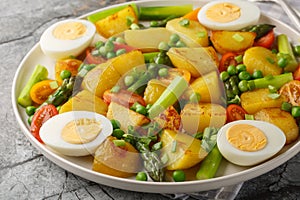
<point x="76" y="133"/>
<point x="228" y="15"/>
<point x="67" y="38"/>
<point x="249" y="142"/>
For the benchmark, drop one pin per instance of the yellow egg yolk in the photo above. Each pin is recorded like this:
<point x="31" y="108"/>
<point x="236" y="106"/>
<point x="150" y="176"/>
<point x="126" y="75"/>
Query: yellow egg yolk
<point x="69" y="31"/>
<point x="246" y="137"/>
<point x="223" y="12"/>
<point x="81" y="131"/>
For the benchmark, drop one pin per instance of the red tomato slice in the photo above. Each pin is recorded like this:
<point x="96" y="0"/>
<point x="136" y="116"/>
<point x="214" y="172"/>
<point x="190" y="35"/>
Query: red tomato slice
<point x="266" y="41"/>
<point x="296" y="73"/>
<point x="227" y="60"/>
<point x="123" y="97"/>
<point x="90" y="59"/>
<point x="235" y="112"/>
<point x="40" y="117"/>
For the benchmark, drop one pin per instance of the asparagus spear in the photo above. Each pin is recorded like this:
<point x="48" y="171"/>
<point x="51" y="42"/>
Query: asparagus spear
<point x="285" y="50"/>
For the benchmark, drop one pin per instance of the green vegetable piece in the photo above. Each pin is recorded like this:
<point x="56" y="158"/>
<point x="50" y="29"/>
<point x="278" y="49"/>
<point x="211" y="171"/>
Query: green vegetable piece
<point x="244" y="75"/>
<point x="249" y="117"/>
<point x="260" y="29"/>
<point x="40" y="73"/>
<point x="184" y="22"/>
<point x="257" y="74"/>
<point x="170" y="95"/>
<point x="162" y="12"/>
<point x="118" y="133"/>
<point x="115" y="89"/>
<point x="163" y="72"/>
<point x="65" y="74"/>
<point x="149" y="57"/>
<point x="224" y="76"/>
<point x="115" y="124"/>
<point x="119" y="143"/>
<point x="286" y="106"/>
<point x="30" y="110"/>
<point x="209" y="166"/>
<point x="295" y="111"/>
<point x="179" y="176"/>
<point x="276" y="81"/>
<point x="105" y="13"/>
<point x="231" y="69"/>
<point x="296" y="50"/>
<point x="141" y="176"/>
<point x="284" y="47"/>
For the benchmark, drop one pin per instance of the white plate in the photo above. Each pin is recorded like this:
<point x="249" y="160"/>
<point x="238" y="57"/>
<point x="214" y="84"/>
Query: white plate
<point x="228" y="174"/>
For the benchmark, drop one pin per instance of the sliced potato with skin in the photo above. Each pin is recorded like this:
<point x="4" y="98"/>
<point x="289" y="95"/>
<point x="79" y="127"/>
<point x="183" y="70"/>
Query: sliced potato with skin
<point x="117" y="22"/>
<point x="282" y="119"/>
<point x="260" y="58"/>
<point x="196" y="117"/>
<point x="147" y="40"/>
<point x="120" y="161"/>
<point x="85" y="100"/>
<point x="232" y="41"/>
<point x="125" y="116"/>
<point x="193" y="35"/>
<point x="198" y="61"/>
<point x="255" y="100"/>
<point x="209" y="88"/>
<point x="186" y="153"/>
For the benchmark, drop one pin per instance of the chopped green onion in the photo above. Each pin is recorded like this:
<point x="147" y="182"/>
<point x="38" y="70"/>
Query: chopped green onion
<point x="272" y="89"/>
<point x="119" y="143"/>
<point x="270" y="60"/>
<point x="238" y="58"/>
<point x="237" y="37"/>
<point x="274" y="95"/>
<point x="164" y="158"/>
<point x="174" y="146"/>
<point x="286" y="106"/>
<point x="53" y="85"/>
<point x="115" y="89"/>
<point x="201" y="34"/>
<point x="130" y="20"/>
<point x="249" y="117"/>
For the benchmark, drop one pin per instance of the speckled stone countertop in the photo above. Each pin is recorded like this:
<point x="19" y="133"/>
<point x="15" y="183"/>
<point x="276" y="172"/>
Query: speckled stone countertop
<point x="26" y="174"/>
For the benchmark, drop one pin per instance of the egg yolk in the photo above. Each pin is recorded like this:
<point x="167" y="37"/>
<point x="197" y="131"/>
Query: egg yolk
<point x="246" y="137"/>
<point x="223" y="12"/>
<point x="69" y="31"/>
<point x="81" y="131"/>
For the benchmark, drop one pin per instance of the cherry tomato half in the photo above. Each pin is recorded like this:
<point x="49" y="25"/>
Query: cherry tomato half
<point x="227" y="60"/>
<point x="266" y="41"/>
<point x="235" y="112"/>
<point x="40" y="117"/>
<point x="296" y="73"/>
<point x="91" y="59"/>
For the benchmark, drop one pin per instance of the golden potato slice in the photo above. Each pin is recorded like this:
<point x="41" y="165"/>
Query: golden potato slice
<point x="232" y="41"/>
<point x="121" y="161"/>
<point x="282" y="119"/>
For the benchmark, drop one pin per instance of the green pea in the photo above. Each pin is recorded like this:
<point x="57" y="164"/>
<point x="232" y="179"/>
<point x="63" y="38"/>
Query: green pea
<point x="282" y="62"/>
<point x="120" y="40"/>
<point x="241" y="67"/>
<point x="243" y="86"/>
<point x="295" y="111"/>
<point x="109" y="46"/>
<point x="179" y="176"/>
<point x="141" y="176"/>
<point x="141" y="109"/>
<point x="174" y="38"/>
<point x="110" y="55"/>
<point x="99" y="44"/>
<point x="115" y="89"/>
<point x="231" y="70"/>
<point x="257" y="74"/>
<point x="163" y="46"/>
<point x="115" y="123"/>
<point x="64" y="74"/>
<point x="102" y="51"/>
<point x="163" y="72"/>
<point x="128" y="80"/>
<point x="153" y="23"/>
<point x="134" y="26"/>
<point x="30" y="110"/>
<point x="112" y="39"/>
<point x="180" y="44"/>
<point x="244" y="75"/>
<point x="118" y="133"/>
<point x="286" y="106"/>
<point x="120" y="52"/>
<point x="224" y="76"/>
<point x="29" y="120"/>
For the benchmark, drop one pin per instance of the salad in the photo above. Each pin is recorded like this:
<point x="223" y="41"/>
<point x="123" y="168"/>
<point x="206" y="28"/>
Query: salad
<point x="165" y="93"/>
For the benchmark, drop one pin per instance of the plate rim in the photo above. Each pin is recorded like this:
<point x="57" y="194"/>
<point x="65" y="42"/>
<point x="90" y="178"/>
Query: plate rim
<point x="149" y="187"/>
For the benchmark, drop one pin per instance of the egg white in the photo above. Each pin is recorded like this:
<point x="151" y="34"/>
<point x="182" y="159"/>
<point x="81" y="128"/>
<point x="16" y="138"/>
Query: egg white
<point x="275" y="141"/>
<point x="50" y="133"/>
<point x="57" y="49"/>
<point x="250" y="15"/>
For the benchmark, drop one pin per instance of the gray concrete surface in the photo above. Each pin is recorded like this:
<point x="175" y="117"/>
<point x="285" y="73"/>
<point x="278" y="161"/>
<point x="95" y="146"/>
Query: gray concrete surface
<point x="25" y="173"/>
